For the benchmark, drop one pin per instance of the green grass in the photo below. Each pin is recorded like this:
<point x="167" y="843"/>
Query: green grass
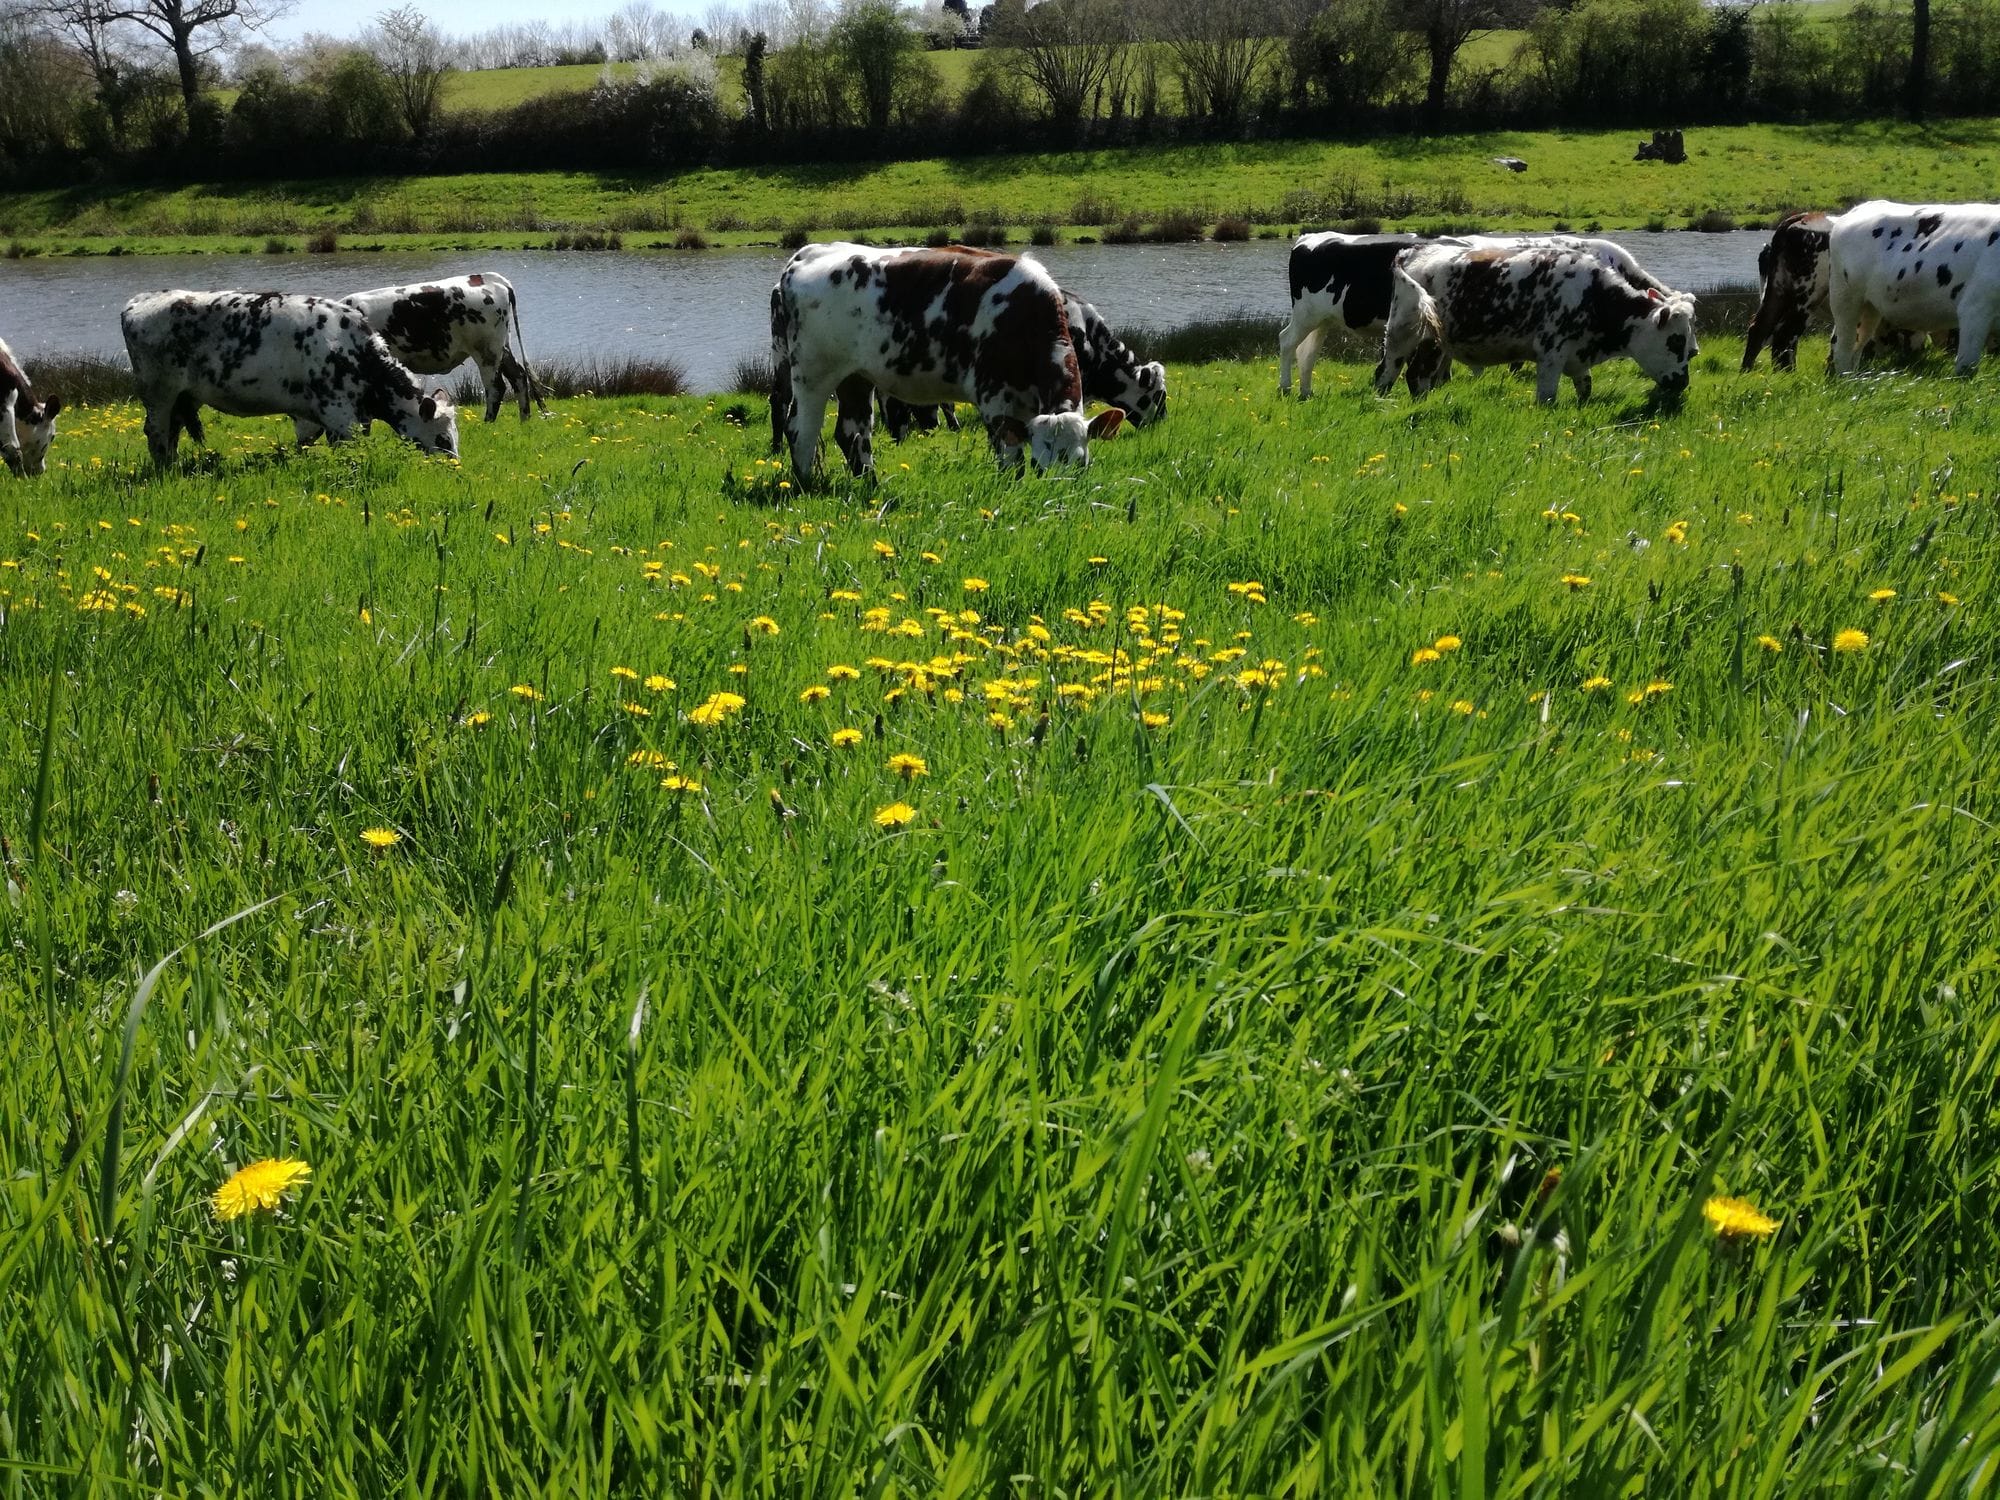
<point x="1315" y="1095"/>
<point x="1750" y="172"/>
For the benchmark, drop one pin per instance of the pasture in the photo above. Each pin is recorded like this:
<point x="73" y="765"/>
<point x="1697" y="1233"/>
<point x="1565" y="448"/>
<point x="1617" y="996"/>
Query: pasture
<point x="1575" y="178"/>
<point x="1237" y="973"/>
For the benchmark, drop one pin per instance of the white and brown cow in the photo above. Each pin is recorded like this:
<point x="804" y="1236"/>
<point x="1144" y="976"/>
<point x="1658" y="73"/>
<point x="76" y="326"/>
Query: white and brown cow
<point x="27" y="421"/>
<point x="437" y="326"/>
<point x="1345" y="281"/>
<point x="927" y="327"/>
<point x="263" y="354"/>
<point x="1793" y="275"/>
<point x="1932" y="268"/>
<point x="1112" y="375"/>
<point x="1562" y="310"/>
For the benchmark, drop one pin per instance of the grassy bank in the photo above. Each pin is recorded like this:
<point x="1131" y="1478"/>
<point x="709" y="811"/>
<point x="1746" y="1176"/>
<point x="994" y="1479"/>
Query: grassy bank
<point x="1744" y="174"/>
<point x="1238" y="973"/>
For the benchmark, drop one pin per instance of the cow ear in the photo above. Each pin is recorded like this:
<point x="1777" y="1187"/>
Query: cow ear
<point x="50" y="408"/>
<point x="1010" y="430"/>
<point x="1660" y="316"/>
<point x="1106" y="423"/>
<point x="427" y="409"/>
<point x="442" y="397"/>
<point x="1653" y="294"/>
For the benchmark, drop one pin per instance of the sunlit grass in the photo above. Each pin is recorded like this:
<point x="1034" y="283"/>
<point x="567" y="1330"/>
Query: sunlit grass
<point x="1291" y="1036"/>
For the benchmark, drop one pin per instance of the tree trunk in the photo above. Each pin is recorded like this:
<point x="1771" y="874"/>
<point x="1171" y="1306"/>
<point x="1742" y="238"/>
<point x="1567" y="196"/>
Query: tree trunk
<point x="190" y="76"/>
<point x="1920" y="59"/>
<point x="1442" y="51"/>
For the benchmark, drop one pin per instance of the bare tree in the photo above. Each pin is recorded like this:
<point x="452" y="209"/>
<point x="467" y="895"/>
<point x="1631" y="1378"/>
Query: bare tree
<point x="1219" y="50"/>
<point x="1064" y="50"/>
<point x="416" y="58"/>
<point x="1918" y="87"/>
<point x="190" y="29"/>
<point x="87" y="26"/>
<point x="1445" y="26"/>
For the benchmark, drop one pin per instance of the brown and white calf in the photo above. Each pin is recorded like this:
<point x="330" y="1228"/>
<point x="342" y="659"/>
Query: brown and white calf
<point x="1793" y="276"/>
<point x="1562" y="310"/>
<point x="437" y="326"/>
<point x="927" y="327"/>
<point x="27" y="421"/>
<point x="266" y="354"/>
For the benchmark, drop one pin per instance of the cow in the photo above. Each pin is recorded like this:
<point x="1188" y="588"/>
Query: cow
<point x="437" y="326"/>
<point x="262" y="354"/>
<point x="1793" y="273"/>
<point x="1560" y="308"/>
<point x="1932" y="268"/>
<point x="1112" y="375"/>
<point x="924" y="327"/>
<point x="1346" y="281"/>
<point x="27" y="421"/>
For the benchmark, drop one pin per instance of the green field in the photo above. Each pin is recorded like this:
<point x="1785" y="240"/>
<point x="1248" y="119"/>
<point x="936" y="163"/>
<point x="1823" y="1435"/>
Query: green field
<point x="1575" y="178"/>
<point x="1375" y="874"/>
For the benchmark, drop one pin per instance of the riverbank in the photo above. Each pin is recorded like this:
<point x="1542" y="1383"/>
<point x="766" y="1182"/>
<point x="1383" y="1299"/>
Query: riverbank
<point x="1735" y="177"/>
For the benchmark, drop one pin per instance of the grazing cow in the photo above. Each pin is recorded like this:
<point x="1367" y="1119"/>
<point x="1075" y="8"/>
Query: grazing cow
<point x="27" y="421"/>
<point x="1345" y="281"/>
<point x="1338" y="281"/>
<point x="924" y="327"/>
<point x="436" y="327"/>
<point x="1112" y="374"/>
<point x="1933" y="268"/>
<point x="1561" y="309"/>
<point x="263" y="354"/>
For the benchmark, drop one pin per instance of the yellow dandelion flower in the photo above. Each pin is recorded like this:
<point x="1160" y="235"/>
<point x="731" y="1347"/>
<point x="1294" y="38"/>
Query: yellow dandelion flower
<point x="625" y="672"/>
<point x="1851" y="640"/>
<point x="1422" y="655"/>
<point x="478" y="719"/>
<point x="883" y="549"/>
<point x="1097" y="562"/>
<point x="840" y="671"/>
<point x="1596" y="684"/>
<point x="1460" y="706"/>
<point x="1152" y="719"/>
<point x="659" y="684"/>
<point x="1677" y="533"/>
<point x="680" y="783"/>
<point x="846" y="739"/>
<point x="1000" y="720"/>
<point x="974" y="585"/>
<point x="764" y="625"/>
<point x="908" y="766"/>
<point x="895" y="815"/>
<point x="817" y="692"/>
<point x="525" y="691"/>
<point x="638" y="711"/>
<point x="1447" y="643"/>
<point x="1577" y="580"/>
<point x="1658" y="689"/>
<point x="381" y="838"/>
<point x="929" y="557"/>
<point x="1944" y="598"/>
<point x="262" y="1184"/>
<point x="1882" y="596"/>
<point x="1770" y="643"/>
<point x="1736" y="1216"/>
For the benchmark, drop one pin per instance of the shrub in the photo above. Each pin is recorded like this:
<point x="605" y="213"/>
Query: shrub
<point x="1232" y="230"/>
<point x="751" y="375"/>
<point x="937" y="239"/>
<point x="322" y="241"/>
<point x="276" y="247"/>
<point x="795" y="238"/>
<point x="690" y="239"/>
<point x="1712" y="221"/>
<point x="1129" y="230"/>
<point x="1045" y="235"/>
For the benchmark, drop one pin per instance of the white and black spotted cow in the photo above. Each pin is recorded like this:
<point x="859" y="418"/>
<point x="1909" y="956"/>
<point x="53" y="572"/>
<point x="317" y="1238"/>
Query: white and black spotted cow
<point x="27" y="421"/>
<point x="926" y="327"/>
<point x="1933" y="268"/>
<point x="1345" y="281"/>
<point x="1562" y="310"/>
<point x="1112" y="376"/>
<point x="436" y="327"/>
<point x="264" y="354"/>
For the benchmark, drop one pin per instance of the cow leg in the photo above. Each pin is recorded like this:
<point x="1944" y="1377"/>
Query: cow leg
<point x="1579" y="376"/>
<point x="1548" y="379"/>
<point x="854" y="424"/>
<point x="1288" y="347"/>
<point x="1976" y="319"/>
<point x="781" y="404"/>
<point x="804" y="416"/>
<point x="1006" y="435"/>
<point x="162" y="432"/>
<point x="515" y="374"/>
<point x="493" y="380"/>
<point x="1849" y="312"/>
<point x="1307" y="354"/>
<point x="950" y="411"/>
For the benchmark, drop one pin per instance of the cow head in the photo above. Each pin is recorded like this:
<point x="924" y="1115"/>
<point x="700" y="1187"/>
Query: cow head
<point x="1663" y="342"/>
<point x="433" y="424"/>
<point x="1056" y="440"/>
<point x="34" y="429"/>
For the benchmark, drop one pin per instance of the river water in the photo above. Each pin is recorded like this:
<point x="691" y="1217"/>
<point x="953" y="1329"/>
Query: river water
<point x="706" y="310"/>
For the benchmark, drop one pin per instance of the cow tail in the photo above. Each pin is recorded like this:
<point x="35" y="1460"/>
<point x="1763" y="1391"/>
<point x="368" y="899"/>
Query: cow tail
<point x="521" y="342"/>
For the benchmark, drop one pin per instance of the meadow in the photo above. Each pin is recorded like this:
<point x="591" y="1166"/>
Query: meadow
<point x="1749" y="174"/>
<point x="1253" y="970"/>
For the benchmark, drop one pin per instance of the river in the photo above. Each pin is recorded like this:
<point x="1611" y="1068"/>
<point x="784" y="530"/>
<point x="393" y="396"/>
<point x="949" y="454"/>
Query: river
<point x="706" y="310"/>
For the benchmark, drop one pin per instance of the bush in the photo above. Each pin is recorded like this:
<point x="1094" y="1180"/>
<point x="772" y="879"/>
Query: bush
<point x="937" y="239"/>
<point x="1232" y="230"/>
<point x="276" y="247"/>
<point x="1712" y="221"/>
<point x="690" y="239"/>
<point x="796" y="237"/>
<point x="559" y="379"/>
<point x="752" y="375"/>
<point x="1045" y="235"/>
<point x="322" y="241"/>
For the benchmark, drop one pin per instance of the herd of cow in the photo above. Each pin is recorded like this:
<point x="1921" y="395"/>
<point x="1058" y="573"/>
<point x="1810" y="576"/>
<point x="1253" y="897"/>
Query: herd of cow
<point x="913" y="332"/>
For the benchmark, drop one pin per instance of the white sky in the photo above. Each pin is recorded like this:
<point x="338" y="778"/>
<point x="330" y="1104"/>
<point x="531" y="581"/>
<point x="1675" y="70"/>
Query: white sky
<point x="456" y="17"/>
